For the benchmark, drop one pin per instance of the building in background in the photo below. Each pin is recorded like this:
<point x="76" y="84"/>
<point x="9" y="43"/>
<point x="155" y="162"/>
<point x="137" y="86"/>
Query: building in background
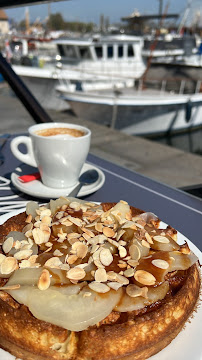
<point x="4" y="25"/>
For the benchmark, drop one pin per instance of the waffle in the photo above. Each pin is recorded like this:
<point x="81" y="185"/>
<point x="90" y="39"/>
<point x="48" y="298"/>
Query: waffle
<point x="153" y="294"/>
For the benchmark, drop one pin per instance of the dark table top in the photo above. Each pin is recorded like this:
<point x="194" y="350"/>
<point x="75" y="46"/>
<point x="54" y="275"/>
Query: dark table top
<point x="175" y="207"/>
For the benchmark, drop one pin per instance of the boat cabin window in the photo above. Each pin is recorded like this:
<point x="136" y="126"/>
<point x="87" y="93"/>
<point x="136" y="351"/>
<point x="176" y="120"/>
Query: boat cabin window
<point x="84" y="52"/>
<point x="99" y="51"/>
<point x="61" y="50"/>
<point x="67" y="51"/>
<point x="120" y="51"/>
<point x="110" y="51"/>
<point x="130" y="51"/>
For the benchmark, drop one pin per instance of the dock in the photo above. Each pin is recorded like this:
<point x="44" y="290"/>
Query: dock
<point x="163" y="163"/>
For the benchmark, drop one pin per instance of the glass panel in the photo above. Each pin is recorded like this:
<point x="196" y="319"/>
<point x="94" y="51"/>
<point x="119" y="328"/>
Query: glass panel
<point x="84" y="52"/>
<point x="70" y="51"/>
<point x="130" y="51"/>
<point x="110" y="51"/>
<point x="120" y="51"/>
<point x="99" y="51"/>
<point x="61" y="50"/>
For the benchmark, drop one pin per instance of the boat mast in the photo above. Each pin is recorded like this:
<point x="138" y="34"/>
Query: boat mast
<point x="184" y="18"/>
<point x="160" y="10"/>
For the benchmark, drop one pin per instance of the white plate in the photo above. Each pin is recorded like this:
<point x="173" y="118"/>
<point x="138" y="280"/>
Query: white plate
<point x="37" y="189"/>
<point x="186" y="346"/>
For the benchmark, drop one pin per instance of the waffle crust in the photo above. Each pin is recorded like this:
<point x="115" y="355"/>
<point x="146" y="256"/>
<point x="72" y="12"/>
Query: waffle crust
<point x="132" y="338"/>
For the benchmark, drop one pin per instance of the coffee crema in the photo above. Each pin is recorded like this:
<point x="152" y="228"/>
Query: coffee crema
<point x="60" y="131"/>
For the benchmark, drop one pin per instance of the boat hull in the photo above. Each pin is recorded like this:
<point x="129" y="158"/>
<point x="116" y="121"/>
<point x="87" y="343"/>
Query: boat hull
<point x="44" y="91"/>
<point x="178" y="124"/>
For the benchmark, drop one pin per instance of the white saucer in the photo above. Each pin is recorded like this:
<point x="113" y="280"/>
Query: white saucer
<point x="37" y="189"/>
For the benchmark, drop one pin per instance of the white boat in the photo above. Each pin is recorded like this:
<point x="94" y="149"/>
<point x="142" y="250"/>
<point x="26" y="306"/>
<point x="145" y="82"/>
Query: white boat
<point x="152" y="114"/>
<point x="173" y="50"/>
<point x="98" y="62"/>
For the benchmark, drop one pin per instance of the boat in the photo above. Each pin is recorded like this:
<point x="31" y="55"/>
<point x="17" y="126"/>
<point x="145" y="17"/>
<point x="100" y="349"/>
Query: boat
<point x="167" y="48"/>
<point x="95" y="61"/>
<point x="172" y="118"/>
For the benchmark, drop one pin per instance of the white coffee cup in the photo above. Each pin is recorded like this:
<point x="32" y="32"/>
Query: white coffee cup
<point x="59" y="157"/>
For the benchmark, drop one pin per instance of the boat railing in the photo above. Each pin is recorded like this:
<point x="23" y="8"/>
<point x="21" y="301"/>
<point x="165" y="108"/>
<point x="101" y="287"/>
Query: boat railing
<point x="172" y="85"/>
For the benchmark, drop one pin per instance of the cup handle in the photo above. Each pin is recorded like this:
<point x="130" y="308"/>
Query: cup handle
<point x="27" y="158"/>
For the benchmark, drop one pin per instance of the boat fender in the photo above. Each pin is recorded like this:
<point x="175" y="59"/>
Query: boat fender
<point x="188" y="110"/>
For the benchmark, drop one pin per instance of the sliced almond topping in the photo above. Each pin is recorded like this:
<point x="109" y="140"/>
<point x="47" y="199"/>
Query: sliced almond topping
<point x="133" y="291"/>
<point x="40" y="237"/>
<point x="144" y="277"/>
<point x="122" y="251"/>
<point x="114" y="285"/>
<point x="2" y="257"/>
<point x="100" y="275"/>
<point x="108" y="232"/>
<point x="75" y="205"/>
<point x="132" y="262"/>
<point x="65" y="267"/>
<point x="76" y="274"/>
<point x="57" y="252"/>
<point x="134" y="252"/>
<point x="72" y="259"/>
<point x="119" y="234"/>
<point x="140" y="226"/>
<point x="49" y="244"/>
<point x="80" y="249"/>
<point x="73" y="235"/>
<point x="23" y="254"/>
<point x="59" y="215"/>
<point x="161" y="264"/>
<point x="32" y="259"/>
<point x="44" y="280"/>
<point x="88" y="232"/>
<point x="161" y="239"/>
<point x="146" y="244"/>
<point x="148" y="238"/>
<point x="99" y="287"/>
<point x="99" y="227"/>
<point x="94" y="248"/>
<point x="46" y="220"/>
<point x="106" y="257"/>
<point x="129" y="272"/>
<point x="122" y="265"/>
<point x="128" y="216"/>
<point x="44" y="227"/>
<point x="66" y="222"/>
<point x="28" y="219"/>
<point x="8" y="265"/>
<point x="8" y="244"/>
<point x="128" y="225"/>
<point x="113" y="242"/>
<point x="25" y="264"/>
<point x="45" y="212"/>
<point x="53" y="262"/>
<point x="122" y="279"/>
<point x="27" y="228"/>
<point x="111" y="275"/>
<point x="76" y="221"/>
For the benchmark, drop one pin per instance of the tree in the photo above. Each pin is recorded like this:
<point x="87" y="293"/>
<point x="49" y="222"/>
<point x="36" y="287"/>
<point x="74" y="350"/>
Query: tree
<point x="56" y="22"/>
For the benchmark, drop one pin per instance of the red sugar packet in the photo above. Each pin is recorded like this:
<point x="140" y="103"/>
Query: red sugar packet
<point x="29" y="177"/>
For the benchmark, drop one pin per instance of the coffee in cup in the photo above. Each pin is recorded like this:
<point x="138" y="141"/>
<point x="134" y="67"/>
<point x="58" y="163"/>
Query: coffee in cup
<point x="59" y="150"/>
<point x="60" y="131"/>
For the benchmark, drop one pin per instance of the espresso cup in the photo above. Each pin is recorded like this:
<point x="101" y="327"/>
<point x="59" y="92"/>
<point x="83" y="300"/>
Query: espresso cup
<point x="59" y="150"/>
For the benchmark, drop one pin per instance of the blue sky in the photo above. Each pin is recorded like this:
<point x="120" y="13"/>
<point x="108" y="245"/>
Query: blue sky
<point x="90" y="10"/>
